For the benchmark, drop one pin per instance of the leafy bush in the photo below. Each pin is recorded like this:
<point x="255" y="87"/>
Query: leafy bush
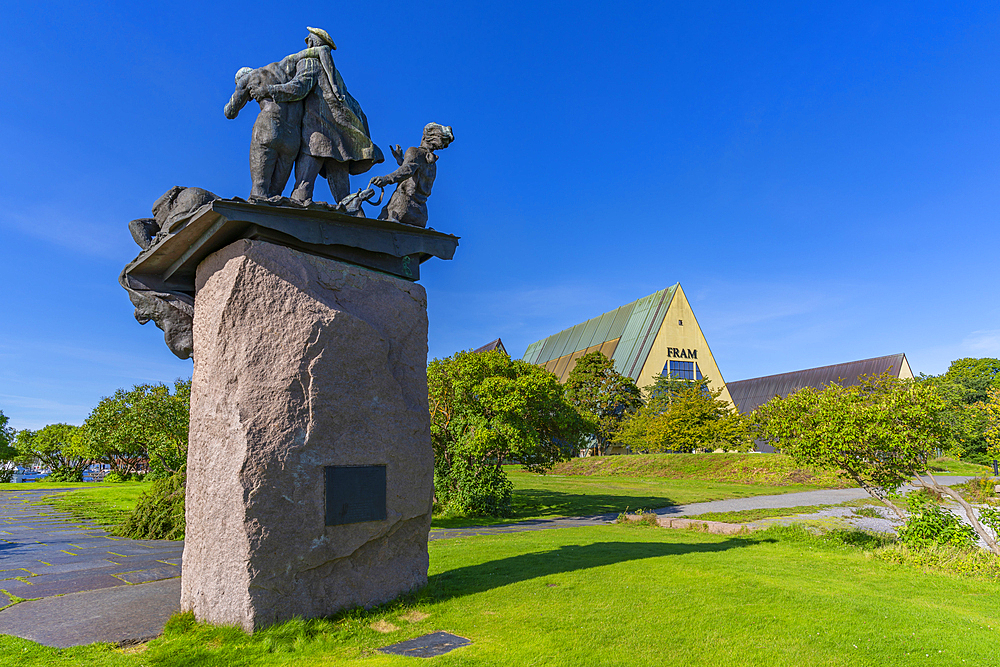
<point x="65" y="475"/>
<point x="115" y="477"/>
<point x="159" y="514"/>
<point x="929" y="523"/>
<point x="475" y="490"/>
<point x="879" y="432"/>
<point x="145" y="424"/>
<point x="685" y="416"/>
<point x="990" y="518"/>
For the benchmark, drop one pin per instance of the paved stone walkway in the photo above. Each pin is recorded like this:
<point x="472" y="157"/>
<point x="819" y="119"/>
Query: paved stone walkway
<point x="53" y="560"/>
<point x="804" y="498"/>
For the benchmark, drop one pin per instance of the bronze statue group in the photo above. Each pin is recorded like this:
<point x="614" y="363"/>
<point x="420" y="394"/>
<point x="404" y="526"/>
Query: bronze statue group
<point x="309" y="121"/>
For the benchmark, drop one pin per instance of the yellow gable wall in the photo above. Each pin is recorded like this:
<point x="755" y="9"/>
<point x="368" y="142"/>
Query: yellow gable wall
<point x="904" y="369"/>
<point x="687" y="337"/>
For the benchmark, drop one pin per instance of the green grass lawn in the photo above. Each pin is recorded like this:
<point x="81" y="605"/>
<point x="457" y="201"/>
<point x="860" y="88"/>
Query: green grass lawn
<point x="107" y="504"/>
<point x="104" y="503"/>
<point x="953" y="467"/>
<point x="622" y="595"/>
<point x="580" y="487"/>
<point x="746" y="468"/>
<point x="535" y="496"/>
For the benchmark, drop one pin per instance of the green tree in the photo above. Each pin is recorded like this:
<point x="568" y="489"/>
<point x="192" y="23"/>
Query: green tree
<point x="965" y="385"/>
<point x="685" y="416"/>
<point x="62" y="448"/>
<point x="146" y="423"/>
<point x="604" y="396"/>
<point x="991" y="410"/>
<point x="879" y="433"/>
<point x="486" y="410"/>
<point x="977" y="376"/>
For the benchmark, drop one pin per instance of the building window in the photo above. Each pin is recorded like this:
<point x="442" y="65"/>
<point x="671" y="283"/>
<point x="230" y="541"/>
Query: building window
<point x="680" y="323"/>
<point x="697" y="373"/>
<point x="682" y="370"/>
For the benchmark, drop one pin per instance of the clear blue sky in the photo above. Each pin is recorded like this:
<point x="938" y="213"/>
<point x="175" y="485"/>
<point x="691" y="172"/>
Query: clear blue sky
<point x="822" y="178"/>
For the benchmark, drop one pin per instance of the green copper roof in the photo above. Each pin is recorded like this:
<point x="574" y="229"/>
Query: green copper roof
<point x="634" y="323"/>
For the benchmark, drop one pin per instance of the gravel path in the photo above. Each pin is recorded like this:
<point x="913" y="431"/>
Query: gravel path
<point x="804" y="498"/>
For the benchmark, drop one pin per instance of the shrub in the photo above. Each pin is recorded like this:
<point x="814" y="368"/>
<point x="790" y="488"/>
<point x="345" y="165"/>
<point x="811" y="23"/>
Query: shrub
<point x="643" y="517"/>
<point x="929" y="523"/>
<point x="115" y="477"/>
<point x="65" y="475"/>
<point x="159" y="514"/>
<point x="476" y="490"/>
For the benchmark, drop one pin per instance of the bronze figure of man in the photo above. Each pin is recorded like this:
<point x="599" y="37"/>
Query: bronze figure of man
<point x="335" y="140"/>
<point x="276" y="132"/>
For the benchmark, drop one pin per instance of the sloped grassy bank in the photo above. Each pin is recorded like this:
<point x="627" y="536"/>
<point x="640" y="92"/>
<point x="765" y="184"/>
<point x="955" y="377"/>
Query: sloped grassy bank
<point x="756" y="469"/>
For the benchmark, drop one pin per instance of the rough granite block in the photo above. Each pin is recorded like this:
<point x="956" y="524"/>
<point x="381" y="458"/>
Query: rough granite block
<point x="302" y="362"/>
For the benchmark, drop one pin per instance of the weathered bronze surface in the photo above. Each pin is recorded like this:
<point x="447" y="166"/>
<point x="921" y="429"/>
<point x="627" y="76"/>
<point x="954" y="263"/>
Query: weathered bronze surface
<point x="354" y="494"/>
<point x="160" y="281"/>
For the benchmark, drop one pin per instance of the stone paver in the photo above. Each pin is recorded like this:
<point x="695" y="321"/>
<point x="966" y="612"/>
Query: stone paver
<point x="83" y="585"/>
<point x="113" y="615"/>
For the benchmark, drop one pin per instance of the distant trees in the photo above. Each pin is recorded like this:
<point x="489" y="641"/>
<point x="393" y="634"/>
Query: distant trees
<point x="603" y="396"/>
<point x="61" y="448"/>
<point x="685" y="416"/>
<point x="144" y="425"/>
<point x="7" y="451"/>
<point x="138" y="428"/>
<point x="966" y="386"/>
<point x="992" y="409"/>
<point x="486" y="410"/>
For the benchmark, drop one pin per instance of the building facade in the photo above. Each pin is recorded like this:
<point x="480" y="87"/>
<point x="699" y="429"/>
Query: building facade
<point x="653" y="336"/>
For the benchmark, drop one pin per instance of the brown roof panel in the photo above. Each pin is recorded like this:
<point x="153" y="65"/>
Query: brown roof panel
<point x="492" y="345"/>
<point x="750" y="394"/>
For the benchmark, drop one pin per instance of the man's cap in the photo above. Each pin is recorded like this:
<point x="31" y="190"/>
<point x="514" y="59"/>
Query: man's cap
<point x="324" y="35"/>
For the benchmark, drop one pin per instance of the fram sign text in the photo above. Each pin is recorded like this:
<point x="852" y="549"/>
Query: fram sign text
<point x="681" y="353"/>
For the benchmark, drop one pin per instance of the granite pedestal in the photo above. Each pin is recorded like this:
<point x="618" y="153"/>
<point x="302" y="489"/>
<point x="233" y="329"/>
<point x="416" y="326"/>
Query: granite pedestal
<point x="310" y="467"/>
